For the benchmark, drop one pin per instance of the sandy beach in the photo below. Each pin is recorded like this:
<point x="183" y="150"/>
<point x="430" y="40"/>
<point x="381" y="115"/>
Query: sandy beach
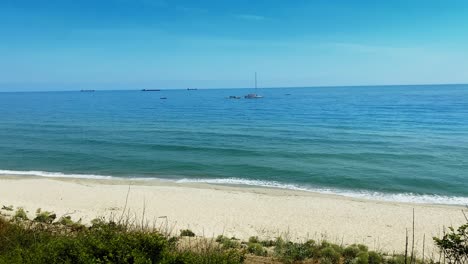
<point x="210" y="210"/>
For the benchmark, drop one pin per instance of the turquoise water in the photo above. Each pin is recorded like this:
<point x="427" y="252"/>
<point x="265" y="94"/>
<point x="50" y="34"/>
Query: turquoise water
<point x="404" y="143"/>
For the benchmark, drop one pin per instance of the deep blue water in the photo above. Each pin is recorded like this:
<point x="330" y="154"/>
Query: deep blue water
<point x="407" y="143"/>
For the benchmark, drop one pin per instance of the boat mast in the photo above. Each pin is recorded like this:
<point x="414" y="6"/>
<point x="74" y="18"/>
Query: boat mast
<point x="255" y="81"/>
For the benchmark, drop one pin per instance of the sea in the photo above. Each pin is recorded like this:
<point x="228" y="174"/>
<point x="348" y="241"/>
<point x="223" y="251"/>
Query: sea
<point x="390" y="143"/>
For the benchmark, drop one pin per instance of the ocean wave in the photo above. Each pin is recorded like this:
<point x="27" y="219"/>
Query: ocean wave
<point x="55" y="174"/>
<point x="368" y="195"/>
<point x="48" y="174"/>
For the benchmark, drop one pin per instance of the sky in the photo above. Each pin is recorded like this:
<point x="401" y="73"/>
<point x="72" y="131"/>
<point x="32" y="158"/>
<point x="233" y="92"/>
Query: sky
<point x="134" y="44"/>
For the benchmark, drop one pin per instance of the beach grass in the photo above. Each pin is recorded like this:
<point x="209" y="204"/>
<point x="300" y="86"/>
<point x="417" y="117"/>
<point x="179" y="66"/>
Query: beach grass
<point x="46" y="239"/>
<point x="65" y="241"/>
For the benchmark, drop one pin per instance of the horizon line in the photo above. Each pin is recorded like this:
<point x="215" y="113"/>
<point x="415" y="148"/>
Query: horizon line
<point x="238" y="88"/>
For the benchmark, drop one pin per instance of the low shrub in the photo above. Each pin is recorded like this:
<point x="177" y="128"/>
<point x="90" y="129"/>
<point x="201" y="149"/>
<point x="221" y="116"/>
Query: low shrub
<point x="454" y="244"/>
<point x="20" y="215"/>
<point x="256" y="249"/>
<point x="254" y="239"/>
<point x="290" y="252"/>
<point x="187" y="233"/>
<point x="228" y="243"/>
<point x="349" y="253"/>
<point x="375" y="258"/>
<point x="330" y="254"/>
<point x="44" y="217"/>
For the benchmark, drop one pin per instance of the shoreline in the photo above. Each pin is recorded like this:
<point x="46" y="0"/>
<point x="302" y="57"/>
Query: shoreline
<point x="367" y="195"/>
<point x="210" y="210"/>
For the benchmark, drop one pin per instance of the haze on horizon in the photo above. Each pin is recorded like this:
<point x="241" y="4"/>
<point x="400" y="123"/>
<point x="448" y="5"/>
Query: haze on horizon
<point x="128" y="44"/>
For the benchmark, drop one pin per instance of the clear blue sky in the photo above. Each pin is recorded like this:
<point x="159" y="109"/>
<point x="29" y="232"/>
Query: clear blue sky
<point x="130" y="44"/>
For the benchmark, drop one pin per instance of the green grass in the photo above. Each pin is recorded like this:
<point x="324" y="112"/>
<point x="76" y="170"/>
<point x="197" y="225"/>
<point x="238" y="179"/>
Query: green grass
<point x="44" y="239"/>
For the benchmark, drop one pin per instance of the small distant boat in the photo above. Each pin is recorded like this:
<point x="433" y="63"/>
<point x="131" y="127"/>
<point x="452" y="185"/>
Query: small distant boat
<point x="192" y="89"/>
<point x="253" y="95"/>
<point x="86" y="91"/>
<point x="163" y="98"/>
<point x="234" y="97"/>
<point x="150" y="90"/>
<point x="287" y="94"/>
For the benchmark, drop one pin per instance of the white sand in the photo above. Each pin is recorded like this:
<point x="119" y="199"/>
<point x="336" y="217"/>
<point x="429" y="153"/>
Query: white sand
<point x="210" y="210"/>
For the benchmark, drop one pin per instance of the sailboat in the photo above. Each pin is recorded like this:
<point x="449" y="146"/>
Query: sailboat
<point x="253" y="95"/>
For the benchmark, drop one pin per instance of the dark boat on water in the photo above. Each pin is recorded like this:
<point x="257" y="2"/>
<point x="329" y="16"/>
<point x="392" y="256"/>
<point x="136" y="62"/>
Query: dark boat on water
<point x="150" y="90"/>
<point x="86" y="91"/>
<point x="192" y="89"/>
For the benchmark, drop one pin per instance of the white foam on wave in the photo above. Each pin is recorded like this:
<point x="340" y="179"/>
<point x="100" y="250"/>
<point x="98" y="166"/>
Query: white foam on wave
<point x="369" y="195"/>
<point x="48" y="174"/>
<point x="54" y="174"/>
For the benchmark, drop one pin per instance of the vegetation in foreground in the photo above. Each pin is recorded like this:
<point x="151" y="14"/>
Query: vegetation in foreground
<point x="46" y="239"/>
